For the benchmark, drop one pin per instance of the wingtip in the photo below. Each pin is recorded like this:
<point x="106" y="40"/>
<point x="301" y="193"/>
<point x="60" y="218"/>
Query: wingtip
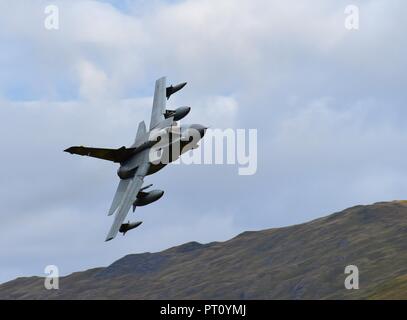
<point x="72" y="149"/>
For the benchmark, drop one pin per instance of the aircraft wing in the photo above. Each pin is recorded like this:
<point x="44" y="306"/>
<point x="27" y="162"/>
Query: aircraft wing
<point x="118" y="197"/>
<point x="115" y="155"/>
<point x="159" y="102"/>
<point x="128" y="196"/>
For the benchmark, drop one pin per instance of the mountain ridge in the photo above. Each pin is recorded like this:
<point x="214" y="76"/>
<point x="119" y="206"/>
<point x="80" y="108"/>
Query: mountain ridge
<point x="303" y="261"/>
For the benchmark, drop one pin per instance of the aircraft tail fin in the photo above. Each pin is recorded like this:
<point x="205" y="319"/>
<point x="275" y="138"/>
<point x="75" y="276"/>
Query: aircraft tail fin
<point x="141" y="132"/>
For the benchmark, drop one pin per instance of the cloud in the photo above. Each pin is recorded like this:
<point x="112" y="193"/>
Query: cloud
<point x="93" y="81"/>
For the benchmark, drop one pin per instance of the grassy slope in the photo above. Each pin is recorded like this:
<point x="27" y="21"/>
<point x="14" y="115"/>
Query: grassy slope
<point x="304" y="261"/>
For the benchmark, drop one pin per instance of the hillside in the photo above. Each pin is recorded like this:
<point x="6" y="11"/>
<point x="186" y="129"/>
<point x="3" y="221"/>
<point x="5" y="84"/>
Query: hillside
<point x="305" y="261"/>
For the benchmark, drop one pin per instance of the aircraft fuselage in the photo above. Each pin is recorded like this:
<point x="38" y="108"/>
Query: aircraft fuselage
<point x="179" y="142"/>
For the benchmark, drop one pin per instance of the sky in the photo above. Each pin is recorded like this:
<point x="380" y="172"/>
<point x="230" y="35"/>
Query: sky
<point x="328" y="104"/>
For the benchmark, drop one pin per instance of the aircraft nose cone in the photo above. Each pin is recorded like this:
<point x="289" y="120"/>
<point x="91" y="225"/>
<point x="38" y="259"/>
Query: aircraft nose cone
<point x="200" y="128"/>
<point x="202" y="131"/>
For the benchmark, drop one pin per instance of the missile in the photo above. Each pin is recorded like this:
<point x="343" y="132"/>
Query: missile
<point x="172" y="89"/>
<point x="129" y="226"/>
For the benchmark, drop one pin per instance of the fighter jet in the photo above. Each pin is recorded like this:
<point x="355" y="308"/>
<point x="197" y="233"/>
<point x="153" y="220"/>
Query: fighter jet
<point x="148" y="154"/>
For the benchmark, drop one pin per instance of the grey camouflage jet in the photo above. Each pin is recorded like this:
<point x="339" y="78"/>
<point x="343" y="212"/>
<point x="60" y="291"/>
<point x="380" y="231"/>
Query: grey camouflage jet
<point x="136" y="162"/>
